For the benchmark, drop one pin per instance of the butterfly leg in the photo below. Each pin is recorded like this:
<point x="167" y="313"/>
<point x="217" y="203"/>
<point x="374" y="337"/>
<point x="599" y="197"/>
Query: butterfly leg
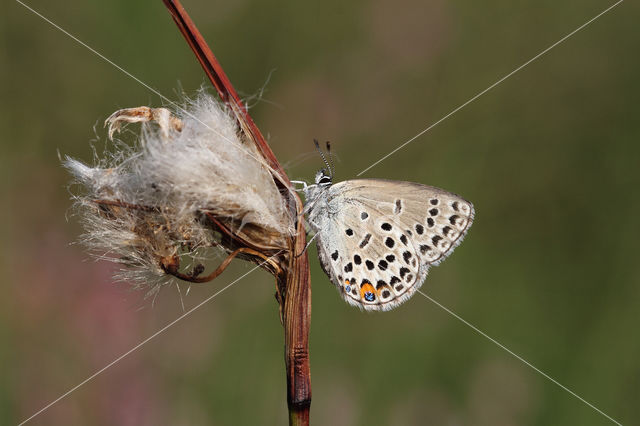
<point x="162" y="116"/>
<point x="300" y="182"/>
<point x="314" y="226"/>
<point x="307" y="246"/>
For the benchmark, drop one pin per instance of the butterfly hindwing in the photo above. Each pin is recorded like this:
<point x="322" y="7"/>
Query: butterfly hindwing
<point x="378" y="238"/>
<point x="372" y="262"/>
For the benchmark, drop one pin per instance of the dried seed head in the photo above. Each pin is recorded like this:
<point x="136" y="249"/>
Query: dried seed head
<point x="149" y="205"/>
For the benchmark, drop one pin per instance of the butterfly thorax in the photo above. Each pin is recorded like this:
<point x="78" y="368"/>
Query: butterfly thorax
<point x="316" y="200"/>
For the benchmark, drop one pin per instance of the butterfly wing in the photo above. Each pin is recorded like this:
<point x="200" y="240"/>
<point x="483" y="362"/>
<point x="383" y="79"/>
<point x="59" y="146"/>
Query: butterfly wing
<point x="378" y="237"/>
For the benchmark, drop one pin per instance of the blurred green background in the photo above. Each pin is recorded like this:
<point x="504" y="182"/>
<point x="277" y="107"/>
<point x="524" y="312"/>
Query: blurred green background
<point x="550" y="158"/>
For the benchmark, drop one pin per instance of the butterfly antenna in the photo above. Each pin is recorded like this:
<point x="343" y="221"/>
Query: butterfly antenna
<point x="331" y="168"/>
<point x="324" y="159"/>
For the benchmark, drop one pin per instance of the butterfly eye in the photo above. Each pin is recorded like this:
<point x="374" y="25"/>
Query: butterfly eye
<point x="324" y="180"/>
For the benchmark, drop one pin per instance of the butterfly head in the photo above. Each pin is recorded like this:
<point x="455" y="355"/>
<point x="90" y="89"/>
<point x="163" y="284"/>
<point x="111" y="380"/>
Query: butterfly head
<point x="323" y="179"/>
<point x="322" y="182"/>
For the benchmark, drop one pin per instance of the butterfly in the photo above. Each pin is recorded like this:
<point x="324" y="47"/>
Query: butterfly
<point x="377" y="238"/>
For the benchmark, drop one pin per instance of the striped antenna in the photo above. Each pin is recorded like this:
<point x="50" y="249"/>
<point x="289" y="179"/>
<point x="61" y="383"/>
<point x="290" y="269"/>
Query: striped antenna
<point x="324" y="158"/>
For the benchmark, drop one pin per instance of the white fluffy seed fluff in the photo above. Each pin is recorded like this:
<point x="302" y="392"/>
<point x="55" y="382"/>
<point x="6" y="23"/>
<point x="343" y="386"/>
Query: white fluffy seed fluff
<point x="144" y="202"/>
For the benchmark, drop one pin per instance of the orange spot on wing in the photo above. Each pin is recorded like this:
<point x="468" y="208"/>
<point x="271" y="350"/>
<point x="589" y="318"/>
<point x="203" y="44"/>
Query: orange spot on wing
<point x="365" y="288"/>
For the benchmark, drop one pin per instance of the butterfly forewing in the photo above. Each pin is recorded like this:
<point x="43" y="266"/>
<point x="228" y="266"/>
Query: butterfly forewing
<point x="377" y="238"/>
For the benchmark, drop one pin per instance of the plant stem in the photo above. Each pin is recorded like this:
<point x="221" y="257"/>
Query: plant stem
<point x="297" y="321"/>
<point x="295" y="282"/>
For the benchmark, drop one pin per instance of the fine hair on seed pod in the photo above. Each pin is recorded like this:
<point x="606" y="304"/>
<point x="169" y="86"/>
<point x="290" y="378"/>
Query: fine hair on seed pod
<point x="148" y="201"/>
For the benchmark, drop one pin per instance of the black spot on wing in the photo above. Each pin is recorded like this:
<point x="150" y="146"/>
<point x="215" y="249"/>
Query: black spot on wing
<point x="382" y="264"/>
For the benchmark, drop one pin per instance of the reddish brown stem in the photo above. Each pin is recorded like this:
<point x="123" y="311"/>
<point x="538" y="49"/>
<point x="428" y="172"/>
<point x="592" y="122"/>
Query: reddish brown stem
<point x="171" y="266"/>
<point x="294" y="286"/>
<point x="221" y="82"/>
<point x="297" y="321"/>
<point x="227" y="233"/>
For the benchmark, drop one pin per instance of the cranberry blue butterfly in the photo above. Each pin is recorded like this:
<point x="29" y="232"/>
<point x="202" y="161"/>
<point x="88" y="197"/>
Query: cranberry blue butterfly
<point x="377" y="238"/>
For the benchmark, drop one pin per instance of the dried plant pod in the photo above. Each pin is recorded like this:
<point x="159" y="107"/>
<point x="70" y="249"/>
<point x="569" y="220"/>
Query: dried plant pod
<point x="191" y="181"/>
